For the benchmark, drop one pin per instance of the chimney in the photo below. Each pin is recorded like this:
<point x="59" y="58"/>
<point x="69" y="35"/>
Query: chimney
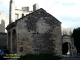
<point x="35" y="7"/>
<point x="12" y="11"/>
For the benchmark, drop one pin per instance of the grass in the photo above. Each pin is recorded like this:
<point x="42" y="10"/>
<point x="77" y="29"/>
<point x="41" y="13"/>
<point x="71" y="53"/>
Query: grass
<point x="40" y="57"/>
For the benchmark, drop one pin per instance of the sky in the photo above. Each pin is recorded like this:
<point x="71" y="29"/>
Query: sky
<point x="66" y="11"/>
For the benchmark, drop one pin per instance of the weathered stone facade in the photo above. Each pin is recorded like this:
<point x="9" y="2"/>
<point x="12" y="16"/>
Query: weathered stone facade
<point x="37" y="32"/>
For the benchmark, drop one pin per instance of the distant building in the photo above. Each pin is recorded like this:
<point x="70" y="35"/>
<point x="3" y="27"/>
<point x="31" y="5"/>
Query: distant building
<point x="3" y="34"/>
<point x="17" y="13"/>
<point x="35" y="33"/>
<point x="4" y="21"/>
<point x="20" y="13"/>
<point x="66" y="31"/>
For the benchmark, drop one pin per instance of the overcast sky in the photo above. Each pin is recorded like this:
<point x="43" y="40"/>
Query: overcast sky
<point x="66" y="11"/>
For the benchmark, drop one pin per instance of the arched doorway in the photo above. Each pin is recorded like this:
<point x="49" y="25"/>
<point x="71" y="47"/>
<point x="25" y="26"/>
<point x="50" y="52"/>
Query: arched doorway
<point x="66" y="48"/>
<point x="14" y="42"/>
<point x="9" y="41"/>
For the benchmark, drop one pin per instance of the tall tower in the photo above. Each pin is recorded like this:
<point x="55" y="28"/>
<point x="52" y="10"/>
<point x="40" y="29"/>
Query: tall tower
<point x="12" y="11"/>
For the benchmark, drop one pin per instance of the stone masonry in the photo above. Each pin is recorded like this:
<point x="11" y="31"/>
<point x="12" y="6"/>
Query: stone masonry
<point x="37" y="32"/>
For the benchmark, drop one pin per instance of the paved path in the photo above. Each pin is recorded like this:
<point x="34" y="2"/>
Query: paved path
<point x="70" y="59"/>
<point x="8" y="59"/>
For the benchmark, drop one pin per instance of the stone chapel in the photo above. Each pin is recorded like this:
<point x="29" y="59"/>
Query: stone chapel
<point x="33" y="33"/>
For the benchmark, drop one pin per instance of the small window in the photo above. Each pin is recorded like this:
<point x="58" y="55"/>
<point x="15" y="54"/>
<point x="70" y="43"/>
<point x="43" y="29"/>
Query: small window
<point x="22" y="15"/>
<point x="21" y="49"/>
<point x="72" y="47"/>
<point x="34" y="33"/>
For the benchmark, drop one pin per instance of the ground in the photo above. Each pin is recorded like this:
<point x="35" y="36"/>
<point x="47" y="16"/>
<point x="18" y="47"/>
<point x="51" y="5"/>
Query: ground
<point x="71" y="59"/>
<point x="76" y="58"/>
<point x="9" y="59"/>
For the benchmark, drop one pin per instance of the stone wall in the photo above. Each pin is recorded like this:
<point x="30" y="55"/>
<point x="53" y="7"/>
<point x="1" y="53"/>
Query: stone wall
<point x="38" y="35"/>
<point x="24" y="38"/>
<point x="38" y="32"/>
<point x="57" y="40"/>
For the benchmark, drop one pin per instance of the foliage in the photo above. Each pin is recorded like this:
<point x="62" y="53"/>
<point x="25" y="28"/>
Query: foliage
<point x="40" y="57"/>
<point x="76" y="36"/>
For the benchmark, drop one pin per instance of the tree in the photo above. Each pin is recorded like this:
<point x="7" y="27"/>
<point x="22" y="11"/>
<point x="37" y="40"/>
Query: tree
<point x="76" y="36"/>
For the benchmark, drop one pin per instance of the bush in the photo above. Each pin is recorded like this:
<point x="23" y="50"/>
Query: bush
<point x="40" y="57"/>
